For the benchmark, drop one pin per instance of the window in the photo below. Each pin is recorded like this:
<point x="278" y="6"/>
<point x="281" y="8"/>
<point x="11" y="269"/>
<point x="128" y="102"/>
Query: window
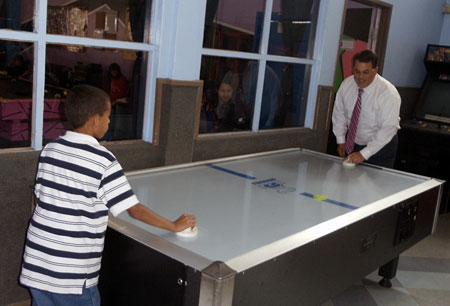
<point x="17" y="15"/>
<point x="16" y="93"/>
<point x="106" y="44"/>
<point x="111" y="19"/>
<point x="262" y="51"/>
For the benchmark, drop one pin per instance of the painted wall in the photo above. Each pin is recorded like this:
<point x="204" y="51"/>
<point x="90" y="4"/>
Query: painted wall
<point x="406" y="44"/>
<point x="445" y="33"/>
<point x="414" y="24"/>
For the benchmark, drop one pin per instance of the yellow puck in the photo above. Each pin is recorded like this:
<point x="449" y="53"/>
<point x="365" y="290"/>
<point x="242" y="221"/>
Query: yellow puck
<point x="320" y="197"/>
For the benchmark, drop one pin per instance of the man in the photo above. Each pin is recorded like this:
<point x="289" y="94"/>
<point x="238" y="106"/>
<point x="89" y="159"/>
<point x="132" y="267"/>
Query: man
<point x="366" y="114"/>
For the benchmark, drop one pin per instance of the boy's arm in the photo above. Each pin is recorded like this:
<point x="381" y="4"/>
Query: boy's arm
<point x="146" y="215"/>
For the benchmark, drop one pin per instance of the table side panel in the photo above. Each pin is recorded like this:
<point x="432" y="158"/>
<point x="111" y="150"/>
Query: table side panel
<point x="312" y="273"/>
<point x="135" y="274"/>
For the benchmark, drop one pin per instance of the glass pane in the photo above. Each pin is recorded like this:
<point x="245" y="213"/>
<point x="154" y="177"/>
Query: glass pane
<point x="17" y="15"/>
<point x="228" y="94"/>
<point x="285" y="95"/>
<point x="16" y="93"/>
<point x="234" y="24"/>
<point x="293" y="27"/>
<point x="126" y="20"/>
<point x="121" y="73"/>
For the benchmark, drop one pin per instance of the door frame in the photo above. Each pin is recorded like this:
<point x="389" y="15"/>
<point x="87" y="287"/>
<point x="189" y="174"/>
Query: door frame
<point x="383" y="30"/>
<point x="380" y="49"/>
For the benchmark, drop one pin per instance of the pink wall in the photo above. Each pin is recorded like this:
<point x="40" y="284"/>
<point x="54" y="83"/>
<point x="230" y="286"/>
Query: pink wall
<point x="244" y="17"/>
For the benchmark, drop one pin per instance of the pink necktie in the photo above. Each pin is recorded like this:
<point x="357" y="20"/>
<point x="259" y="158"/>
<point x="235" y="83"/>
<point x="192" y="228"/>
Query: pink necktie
<point x="351" y="133"/>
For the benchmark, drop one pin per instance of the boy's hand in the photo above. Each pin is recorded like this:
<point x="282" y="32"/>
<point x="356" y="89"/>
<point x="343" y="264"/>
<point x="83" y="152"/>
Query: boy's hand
<point x="146" y="215"/>
<point x="183" y="222"/>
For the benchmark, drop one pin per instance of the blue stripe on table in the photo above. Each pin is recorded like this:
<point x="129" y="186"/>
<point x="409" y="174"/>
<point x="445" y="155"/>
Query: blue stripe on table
<point x="231" y="172"/>
<point x="345" y="205"/>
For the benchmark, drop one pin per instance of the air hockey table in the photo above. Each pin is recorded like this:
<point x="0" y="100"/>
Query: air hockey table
<point x="288" y="227"/>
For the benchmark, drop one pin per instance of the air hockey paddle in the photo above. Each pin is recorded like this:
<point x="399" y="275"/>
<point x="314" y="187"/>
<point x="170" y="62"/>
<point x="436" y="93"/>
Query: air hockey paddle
<point x="189" y="232"/>
<point x="348" y="165"/>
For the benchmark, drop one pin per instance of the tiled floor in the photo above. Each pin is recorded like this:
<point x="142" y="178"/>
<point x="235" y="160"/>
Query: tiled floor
<point x="423" y="277"/>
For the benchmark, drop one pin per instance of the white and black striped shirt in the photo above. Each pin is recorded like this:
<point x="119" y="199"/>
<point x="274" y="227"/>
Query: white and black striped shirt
<point x="78" y="182"/>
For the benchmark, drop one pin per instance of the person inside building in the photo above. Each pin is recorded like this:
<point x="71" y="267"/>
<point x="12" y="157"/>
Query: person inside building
<point x="117" y="87"/>
<point x="117" y="83"/>
<point x="222" y="113"/>
<point x="78" y="183"/>
<point x="366" y="114"/>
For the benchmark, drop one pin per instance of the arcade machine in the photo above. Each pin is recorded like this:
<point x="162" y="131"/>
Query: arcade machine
<point x="424" y="142"/>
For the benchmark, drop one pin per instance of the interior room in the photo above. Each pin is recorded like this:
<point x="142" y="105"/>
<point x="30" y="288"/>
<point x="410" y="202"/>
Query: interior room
<point x="225" y="110"/>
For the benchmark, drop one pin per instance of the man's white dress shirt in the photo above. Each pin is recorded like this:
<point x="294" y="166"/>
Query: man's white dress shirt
<point x="379" y="118"/>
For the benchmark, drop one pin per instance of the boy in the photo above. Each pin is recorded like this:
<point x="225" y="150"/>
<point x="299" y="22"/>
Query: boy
<point x="78" y="182"/>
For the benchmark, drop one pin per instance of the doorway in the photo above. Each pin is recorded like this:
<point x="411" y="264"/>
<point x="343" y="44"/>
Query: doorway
<point x="365" y="26"/>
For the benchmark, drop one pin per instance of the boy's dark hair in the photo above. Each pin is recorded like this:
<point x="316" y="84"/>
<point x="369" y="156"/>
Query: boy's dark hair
<point x="84" y="102"/>
<point x="366" y="56"/>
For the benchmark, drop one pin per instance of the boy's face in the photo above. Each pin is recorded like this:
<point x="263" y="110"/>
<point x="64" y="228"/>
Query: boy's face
<point x="102" y="123"/>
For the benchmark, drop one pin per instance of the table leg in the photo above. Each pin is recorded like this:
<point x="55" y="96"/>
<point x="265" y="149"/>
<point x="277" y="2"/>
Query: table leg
<point x="388" y="271"/>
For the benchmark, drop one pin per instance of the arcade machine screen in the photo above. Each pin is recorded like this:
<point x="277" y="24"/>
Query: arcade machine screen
<point x="434" y="99"/>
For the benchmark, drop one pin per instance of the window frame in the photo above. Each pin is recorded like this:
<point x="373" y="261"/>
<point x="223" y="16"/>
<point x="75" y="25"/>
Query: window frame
<point x="263" y="57"/>
<point x="40" y="39"/>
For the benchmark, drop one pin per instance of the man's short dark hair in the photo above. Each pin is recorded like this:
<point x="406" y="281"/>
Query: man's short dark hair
<point x="366" y="56"/>
<point x="84" y="102"/>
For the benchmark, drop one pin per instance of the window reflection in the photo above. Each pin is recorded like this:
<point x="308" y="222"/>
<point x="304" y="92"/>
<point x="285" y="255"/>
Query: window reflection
<point x="17" y="14"/>
<point x="123" y="20"/>
<point x="284" y="95"/>
<point x="16" y="93"/>
<point x="121" y="73"/>
<point x="292" y="28"/>
<point x="226" y="104"/>
<point x="233" y="24"/>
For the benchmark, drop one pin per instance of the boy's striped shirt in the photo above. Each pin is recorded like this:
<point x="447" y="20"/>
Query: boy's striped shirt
<point x="78" y="182"/>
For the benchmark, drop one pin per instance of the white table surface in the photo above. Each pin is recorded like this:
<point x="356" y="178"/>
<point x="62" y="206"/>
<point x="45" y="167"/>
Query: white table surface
<point x="237" y="214"/>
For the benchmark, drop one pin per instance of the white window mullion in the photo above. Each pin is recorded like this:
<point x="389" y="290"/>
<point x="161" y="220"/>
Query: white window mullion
<point x="315" y="71"/>
<point x="152" y="70"/>
<point x="37" y="117"/>
<point x="266" y="28"/>
<point x="102" y="43"/>
<point x="150" y="90"/>
<point x="231" y="54"/>
<point x="290" y="60"/>
<point x="38" y="96"/>
<point x="256" y="56"/>
<point x="258" y="95"/>
<point x="17" y="35"/>
<point x="262" y="65"/>
<point x="156" y="23"/>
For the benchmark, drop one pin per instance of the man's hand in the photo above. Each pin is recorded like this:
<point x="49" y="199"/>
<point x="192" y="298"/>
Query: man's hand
<point x="341" y="149"/>
<point x="355" y="158"/>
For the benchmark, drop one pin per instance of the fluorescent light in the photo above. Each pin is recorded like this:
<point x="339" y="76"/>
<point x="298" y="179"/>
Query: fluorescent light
<point x="301" y="22"/>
